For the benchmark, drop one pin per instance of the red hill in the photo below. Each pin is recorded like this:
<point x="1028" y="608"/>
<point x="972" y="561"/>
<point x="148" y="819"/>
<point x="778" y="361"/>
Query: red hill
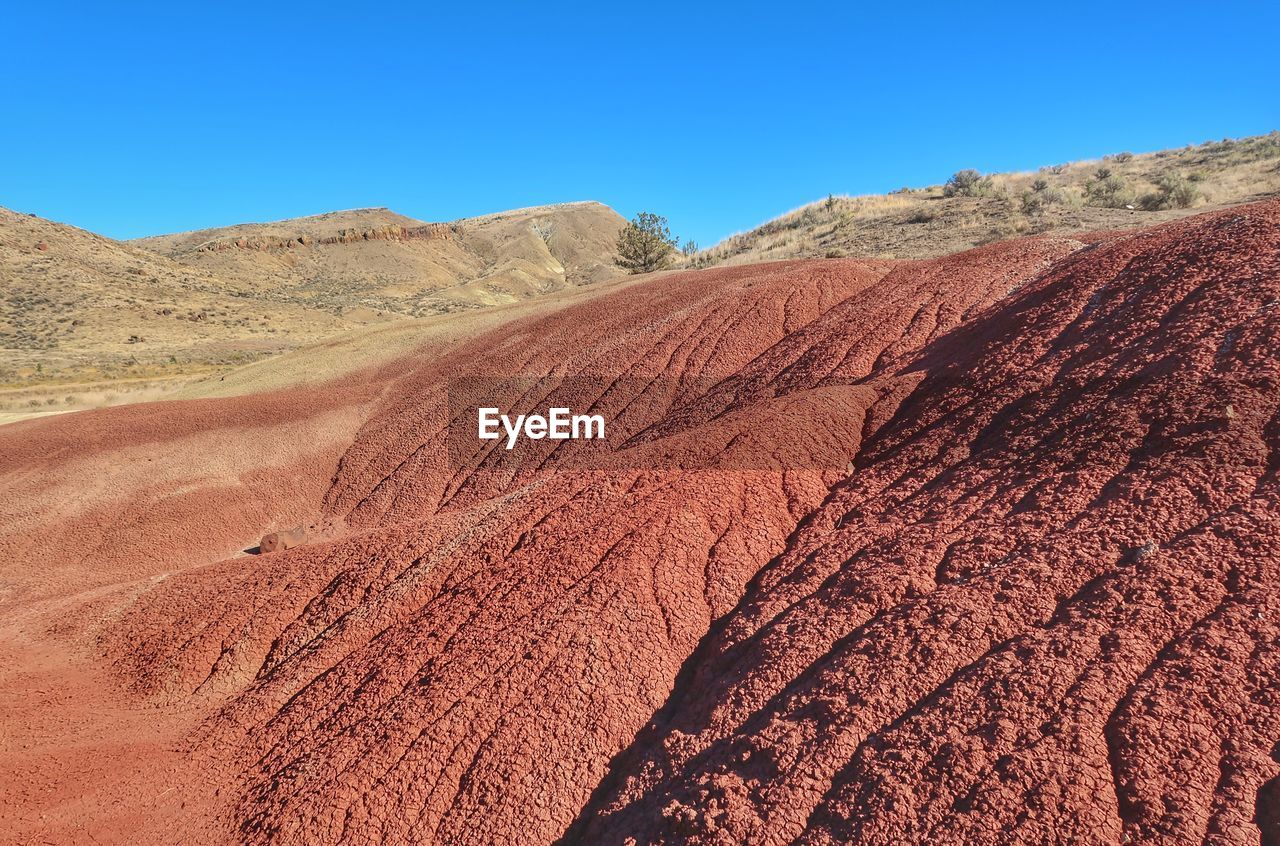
<point x="973" y="549"/>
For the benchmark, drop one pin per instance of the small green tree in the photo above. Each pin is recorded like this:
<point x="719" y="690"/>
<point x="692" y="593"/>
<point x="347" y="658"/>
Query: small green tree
<point x="645" y="244"/>
<point x="690" y="247"/>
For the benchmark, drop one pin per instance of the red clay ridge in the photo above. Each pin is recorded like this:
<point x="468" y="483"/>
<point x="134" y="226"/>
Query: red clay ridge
<point x="981" y="549"/>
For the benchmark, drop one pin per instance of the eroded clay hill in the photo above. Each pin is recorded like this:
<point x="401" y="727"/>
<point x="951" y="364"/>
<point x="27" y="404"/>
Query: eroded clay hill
<point x="980" y="549"/>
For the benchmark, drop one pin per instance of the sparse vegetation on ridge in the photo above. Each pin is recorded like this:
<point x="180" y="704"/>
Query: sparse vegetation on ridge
<point x="1121" y="191"/>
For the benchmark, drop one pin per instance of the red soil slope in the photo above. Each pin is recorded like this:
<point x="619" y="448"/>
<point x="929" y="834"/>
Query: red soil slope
<point x="974" y="550"/>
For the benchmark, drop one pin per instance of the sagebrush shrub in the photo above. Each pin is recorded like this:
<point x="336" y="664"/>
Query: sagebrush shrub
<point x="1041" y="196"/>
<point x="1107" y="190"/>
<point x="967" y="183"/>
<point x="1173" y="191"/>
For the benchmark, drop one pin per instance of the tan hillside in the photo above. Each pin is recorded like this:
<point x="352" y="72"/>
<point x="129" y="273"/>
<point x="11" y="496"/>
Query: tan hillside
<point x="925" y="223"/>
<point x="86" y="320"/>
<point x="366" y="261"/>
<point x="367" y="347"/>
<point x="79" y="308"/>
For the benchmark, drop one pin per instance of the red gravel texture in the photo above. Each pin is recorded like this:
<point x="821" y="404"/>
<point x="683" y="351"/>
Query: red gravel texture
<point x="981" y="549"/>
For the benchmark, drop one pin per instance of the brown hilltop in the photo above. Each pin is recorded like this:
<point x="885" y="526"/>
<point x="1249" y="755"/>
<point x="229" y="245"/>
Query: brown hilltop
<point x="86" y="320"/>
<point x="387" y="232"/>
<point x="976" y="549"/>
<point x="80" y="309"/>
<point x="375" y="258"/>
<point x="927" y="222"/>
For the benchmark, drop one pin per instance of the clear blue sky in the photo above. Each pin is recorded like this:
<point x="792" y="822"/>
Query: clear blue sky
<point x="131" y="119"/>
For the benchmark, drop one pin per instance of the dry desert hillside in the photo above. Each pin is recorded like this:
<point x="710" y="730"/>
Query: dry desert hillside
<point x="88" y="320"/>
<point x="1120" y="191"/>
<point x="375" y="259"/>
